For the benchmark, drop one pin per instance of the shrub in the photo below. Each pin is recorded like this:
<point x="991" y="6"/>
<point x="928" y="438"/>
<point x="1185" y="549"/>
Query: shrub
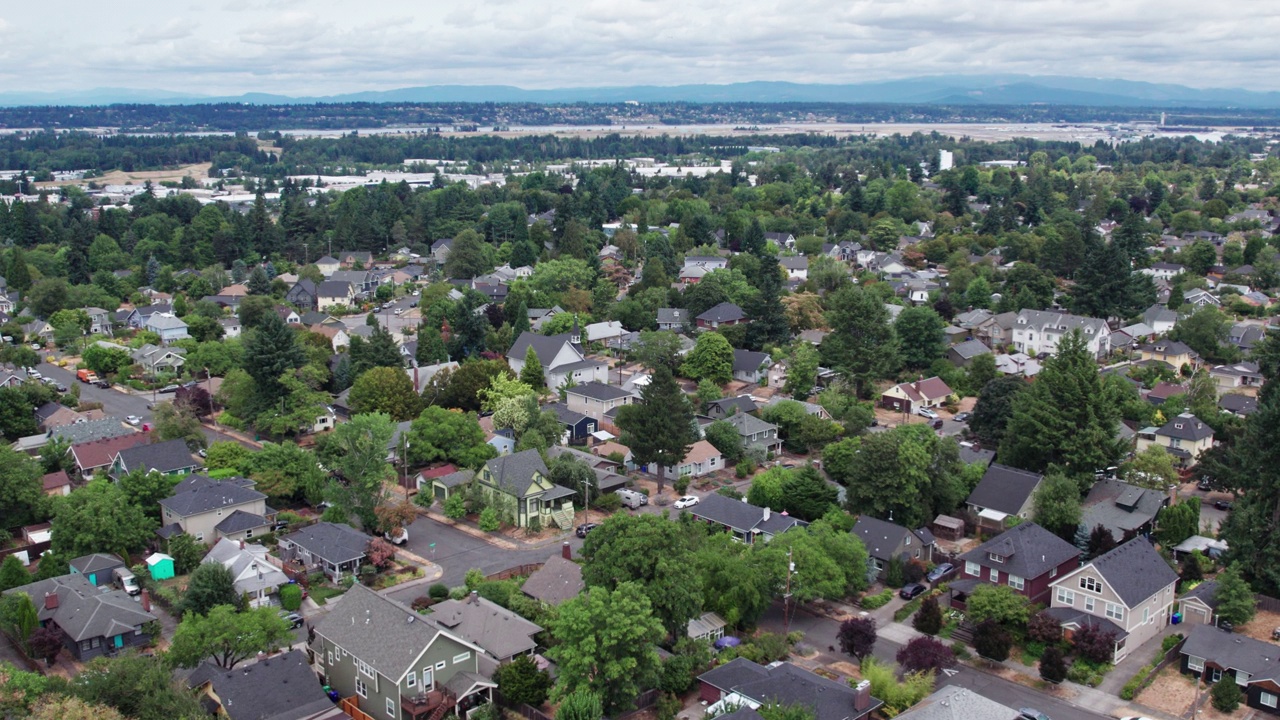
<point x="992" y="641"/>
<point x="291" y="597"/>
<point x="489" y="520"/>
<point x="1094" y="644"/>
<point x="522" y="683"/>
<point x="1043" y="628"/>
<point x="929" y="619"/>
<point x="1226" y="695"/>
<point x="1052" y="665"/>
<point x="1169" y="641"/>
<point x="893" y="575"/>
<point x="438" y="591"/>
<point x="871" y="602"/>
<point x="924" y="654"/>
<point x="1131" y="688"/>
<point x="744" y="468"/>
<point x="680" y="484"/>
<point x="535" y="524"/>
<point x="960" y="650"/>
<point x="422" y="602"/>
<point x="455" y="507"/>
<point x="857" y="636"/>
<point x="1084" y="672"/>
<point x="608" y="503"/>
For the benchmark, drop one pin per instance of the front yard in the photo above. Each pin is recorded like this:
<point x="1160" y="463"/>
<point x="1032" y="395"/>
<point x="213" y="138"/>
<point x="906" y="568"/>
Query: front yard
<point x="1173" y="693"/>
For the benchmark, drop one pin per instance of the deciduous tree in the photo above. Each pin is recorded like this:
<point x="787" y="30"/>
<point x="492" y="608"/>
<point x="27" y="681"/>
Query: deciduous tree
<point x="615" y="553"/>
<point x="1056" y="505"/>
<point x="97" y="517"/>
<point x="710" y="359"/>
<point x="361" y="462"/>
<point x="923" y="654"/>
<point x="210" y="585"/>
<point x="857" y="636"/>
<point x="861" y="344"/>
<point x="227" y="636"/>
<point x="386" y="390"/>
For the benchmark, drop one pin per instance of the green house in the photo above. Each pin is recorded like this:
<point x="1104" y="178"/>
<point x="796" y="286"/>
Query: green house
<point x="517" y="486"/>
<point x="160" y="566"/>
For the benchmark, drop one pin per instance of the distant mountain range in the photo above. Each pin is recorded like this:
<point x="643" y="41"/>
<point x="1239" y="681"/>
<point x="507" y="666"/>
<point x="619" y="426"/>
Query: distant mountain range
<point x="940" y="90"/>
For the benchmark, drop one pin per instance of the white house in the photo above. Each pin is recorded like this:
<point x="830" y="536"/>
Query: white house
<point x="561" y="357"/>
<point x="1040" y="331"/>
<point x="169" y="327"/>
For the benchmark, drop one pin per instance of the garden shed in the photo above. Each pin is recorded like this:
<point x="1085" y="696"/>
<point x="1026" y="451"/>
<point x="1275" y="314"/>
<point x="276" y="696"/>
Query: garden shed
<point x="161" y="566"/>
<point x="948" y="528"/>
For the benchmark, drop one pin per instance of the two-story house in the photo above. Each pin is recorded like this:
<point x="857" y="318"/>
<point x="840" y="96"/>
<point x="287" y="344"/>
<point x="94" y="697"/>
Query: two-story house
<point x="253" y="573"/>
<point x="1026" y="557"/>
<point x="305" y="295"/>
<point x="503" y="634"/>
<point x="518" y="487"/>
<point x="756" y="432"/>
<point x="328" y="265"/>
<point x="138" y="318"/>
<point x="1175" y="354"/>
<point x="1129" y="591"/>
<point x="751" y="367"/>
<point x="332" y="293"/>
<point x="96" y="456"/>
<point x="171" y="457"/>
<point x="1040" y="331"/>
<point x="1185" y="437"/>
<point x="99" y="321"/>
<point x="1125" y="510"/>
<point x="561" y="356"/>
<point x="725" y="407"/>
<point x="440" y="250"/>
<point x="1244" y="374"/>
<point x="595" y="399"/>
<point x="209" y="510"/>
<point x="282" y="687"/>
<point x="395" y="663"/>
<point x="363" y="282"/>
<point x="673" y="319"/>
<point x="92" y="622"/>
<point x="1003" y="492"/>
<point x="170" y="328"/>
<point x="1218" y="656"/>
<point x="153" y="359"/>
<point x="726" y="313"/>
<point x="885" y="540"/>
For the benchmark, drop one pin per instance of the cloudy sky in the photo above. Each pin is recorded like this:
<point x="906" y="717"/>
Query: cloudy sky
<point x="317" y="47"/>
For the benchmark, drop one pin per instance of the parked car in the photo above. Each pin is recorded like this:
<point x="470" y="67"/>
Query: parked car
<point x="927" y="413"/>
<point x="937" y="424"/>
<point x="1032" y="714"/>
<point x="169" y="389"/>
<point x="585" y="528"/>
<point x="34" y="374"/>
<point x="962" y="416"/>
<point x="294" y="619"/>
<point x="399" y="538"/>
<point x="202" y="453"/>
<point x="910" y="591"/>
<point x="939" y="572"/>
<point x="1205" y="484"/>
<point x="133" y="419"/>
<point x="686" y="502"/>
<point x="1223" y="504"/>
<point x="62" y="388"/>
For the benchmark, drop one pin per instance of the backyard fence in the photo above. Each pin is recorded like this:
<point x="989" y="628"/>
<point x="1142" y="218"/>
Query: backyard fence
<point x="517" y="571"/>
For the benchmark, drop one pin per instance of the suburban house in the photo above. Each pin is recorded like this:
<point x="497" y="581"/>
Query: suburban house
<point x="97" y="455"/>
<point x="1185" y="437"/>
<point x="327" y="265"/>
<point x="231" y="327"/>
<point x="1233" y="377"/>
<point x="282" y="687"/>
<point x="255" y="576"/>
<point x="1040" y="331"/>
<point x="1199" y="605"/>
<point x="169" y="327"/>
<point x="1123" y="509"/>
<point x="1238" y="405"/>
<point x="747" y="522"/>
<point x="885" y="540"/>
<point x="673" y="319"/>
<point x="348" y="259"/>
<point x="99" y="321"/>
<point x="1026" y="557"/>
<point x="1128" y="590"/>
<point x="952" y="702"/>
<point x="1176" y="354"/>
<point x="725" y="407"/>
<point x="962" y="353"/>
<point x="440" y="250"/>
<point x="726" y="313"/>
<point x="577" y="427"/>
<point x="702" y="459"/>
<point x="751" y="367"/>
<point x="503" y="634"/>
<point x="595" y="399"/>
<point x="558" y="580"/>
<point x="561" y="357"/>
<point x="742" y="684"/>
<point x="1002" y="493"/>
<point x="756" y="432"/>
<point x="1212" y="654"/>
<point x="56" y="484"/>
<point x="394" y="663"/>
<point x="96" y="567"/>
<point x="517" y="486"/>
<point x="304" y="295"/>
<point x="328" y="547"/>
<point x="154" y="360"/>
<point x="797" y="267"/>
<point x="1163" y="270"/>
<point x="909" y="397"/>
<point x="171" y="457"/>
<point x="1160" y="319"/>
<point x="331" y="293"/>
<point x="209" y="510"/>
<point x="362" y="282"/>
<point x="93" y="622"/>
<point x="138" y="318"/>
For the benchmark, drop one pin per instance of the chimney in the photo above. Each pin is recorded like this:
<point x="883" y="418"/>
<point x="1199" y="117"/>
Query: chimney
<point x="862" y="696"/>
<point x="475" y="597"/>
<point x="767" y="513"/>
<point x="145" y="599"/>
<point x="51" y="601"/>
<point x="566" y="552"/>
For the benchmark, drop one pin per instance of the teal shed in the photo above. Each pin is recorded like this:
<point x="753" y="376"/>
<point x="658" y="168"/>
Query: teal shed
<point x="161" y="566"/>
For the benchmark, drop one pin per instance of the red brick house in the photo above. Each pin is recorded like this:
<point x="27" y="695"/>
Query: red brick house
<point x="726" y="313"/>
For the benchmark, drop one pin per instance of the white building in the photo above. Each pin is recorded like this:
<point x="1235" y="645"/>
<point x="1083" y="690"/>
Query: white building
<point x="1040" y="331"/>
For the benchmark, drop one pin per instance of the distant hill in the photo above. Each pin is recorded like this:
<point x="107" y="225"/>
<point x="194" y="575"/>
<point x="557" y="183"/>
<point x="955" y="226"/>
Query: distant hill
<point x="976" y="89"/>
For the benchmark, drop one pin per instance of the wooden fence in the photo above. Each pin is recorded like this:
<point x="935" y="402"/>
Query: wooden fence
<point x="349" y="706"/>
<point x="644" y="701"/>
<point x="1268" y="603"/>
<point x="517" y="571"/>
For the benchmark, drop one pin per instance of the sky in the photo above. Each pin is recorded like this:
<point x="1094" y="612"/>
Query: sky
<point x="321" y="47"/>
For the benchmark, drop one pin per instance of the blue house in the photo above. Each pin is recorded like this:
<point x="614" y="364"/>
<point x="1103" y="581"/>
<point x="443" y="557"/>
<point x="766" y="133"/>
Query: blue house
<point x="578" y="427"/>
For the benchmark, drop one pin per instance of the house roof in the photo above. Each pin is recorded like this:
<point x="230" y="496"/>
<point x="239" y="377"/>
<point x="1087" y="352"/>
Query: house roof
<point x="724" y="312"/>
<point x="970" y="349"/>
<point x="732" y="674"/>
<point x="882" y="537"/>
<point x="952" y="702"/>
<point x="76" y="433"/>
<point x="557" y="581"/>
<point x="167" y="456"/>
<point x="1234" y="651"/>
<point x="1080" y="618"/>
<point x="514" y="473"/>
<point x="274" y="688"/>
<point x="499" y="631"/>
<point x="1029" y="551"/>
<point x="97" y="562"/>
<point x="565" y="415"/>
<point x="199" y="494"/>
<point x="1238" y="404"/>
<point x="239" y="521"/>
<point x="743" y="516"/>
<point x="83" y="610"/>
<point x="1004" y="489"/>
<point x="545" y="346"/>
<point x="742" y="404"/>
<point x="1135" y="571"/>
<point x="1206" y="592"/>
<point x="1120" y="507"/>
<point x="746" y="361"/>
<point x="787" y="684"/>
<point x="924" y="390"/>
<point x="380" y="631"/>
<point x="672" y="316"/>
<point x="164" y="321"/>
<point x="1186" y="427"/>
<point x="334" y="289"/>
<point x="598" y="391"/>
<point x="749" y="424"/>
<point x="1168" y="347"/>
<point x="331" y="541"/>
<point x="55" y="480"/>
<point x="701" y="451"/>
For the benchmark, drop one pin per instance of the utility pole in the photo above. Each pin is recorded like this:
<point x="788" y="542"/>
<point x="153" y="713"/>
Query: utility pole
<point x="786" y="596"/>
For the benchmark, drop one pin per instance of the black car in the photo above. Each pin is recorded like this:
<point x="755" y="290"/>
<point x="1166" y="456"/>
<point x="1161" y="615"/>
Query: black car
<point x="910" y="591"/>
<point x="294" y="619"/>
<point x="1223" y="504"/>
<point x="585" y="528"/>
<point x="962" y="416"/>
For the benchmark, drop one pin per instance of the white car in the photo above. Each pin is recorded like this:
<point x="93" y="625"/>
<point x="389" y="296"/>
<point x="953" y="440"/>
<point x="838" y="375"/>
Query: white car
<point x="133" y="419"/>
<point x="399" y="538"/>
<point x="926" y="412"/>
<point x="686" y="501"/>
<point x="34" y="374"/>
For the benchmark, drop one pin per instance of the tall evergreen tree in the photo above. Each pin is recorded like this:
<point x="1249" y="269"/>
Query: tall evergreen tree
<point x="660" y="428"/>
<point x="532" y="373"/>
<point x="518" y="317"/>
<point x="380" y="351"/>
<point x="259" y="283"/>
<point x="754" y="243"/>
<point x="19" y="277"/>
<point x="861" y="344"/>
<point x="271" y="350"/>
<point x="769" y="325"/>
<point x="431" y="349"/>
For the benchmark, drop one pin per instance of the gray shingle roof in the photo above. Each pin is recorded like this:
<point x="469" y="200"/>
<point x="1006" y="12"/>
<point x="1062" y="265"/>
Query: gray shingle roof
<point x="952" y="702"/>
<point x="1028" y="550"/>
<point x="749" y="424"/>
<point x="970" y="349"/>
<point x="275" y="688"/>
<point x="1234" y="651"/>
<point x="746" y="361"/>
<point x="732" y="674"/>
<point x="168" y="456"/>
<point x="514" y="473"/>
<point x="558" y="580"/>
<point x="882" y="537"/>
<point x="742" y="404"/>
<point x="1120" y="507"/>
<point x="103" y="429"/>
<point x="1004" y="489"/>
<point x="1080" y="618"/>
<point x="1186" y="427"/>
<point x="1135" y="571"/>
<point x="545" y="346"/>
<point x="673" y="316"/>
<point x="84" y="611"/>
<point x="199" y="494"/>
<point x="334" y="289"/>
<point x="786" y="684"/>
<point x="598" y="391"/>
<point x="499" y="631"/>
<point x="95" y="563"/>
<point x="239" y="521"/>
<point x="333" y="542"/>
<point x="1205" y="592"/>
<point x="724" y="312"/>
<point x="742" y="516"/>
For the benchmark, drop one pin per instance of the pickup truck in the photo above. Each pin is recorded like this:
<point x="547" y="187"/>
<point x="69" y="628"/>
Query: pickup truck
<point x="85" y="375"/>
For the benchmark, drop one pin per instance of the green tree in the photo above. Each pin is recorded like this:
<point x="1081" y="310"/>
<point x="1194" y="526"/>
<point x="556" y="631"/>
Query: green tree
<point x="615" y="553"/>
<point x="769" y="324"/>
<point x="228" y="455"/>
<point x="710" y="359"/>
<point x="106" y="361"/>
<point x="270" y="351"/>
<point x="1056" y="505"/>
<point x="658" y="347"/>
<point x="13" y="574"/>
<point x="227" y="636"/>
<point x="361" y="461"/>
<point x="259" y="283"/>
<point x="99" y="517"/>
<point x="725" y="438"/>
<point x="802" y="371"/>
<point x="766" y="487"/>
<point x="737" y="582"/>
<point x="18" y="617"/>
<point x="141" y="687"/>
<point x="981" y="370"/>
<point x="920" y="336"/>
<point x="172" y="421"/>
<point x="210" y="585"/>
<point x="380" y="351"/>
<point x="187" y="552"/>
<point x="861" y="345"/>
<point x="522" y="683"/>
<point x="439" y="435"/>
<point x="1204" y="331"/>
<point x="1178" y="522"/>
<point x="999" y="603"/>
<point x="285" y="471"/>
<point x="431" y="349"/>
<point x="908" y="472"/>
<point x="580" y="704"/>
<point x="22" y="499"/>
<point x="928" y="619"/>
<point x="607" y="639"/>
<point x="469" y="256"/>
<point x="145" y="489"/>
<point x="1235" y="599"/>
<point x="1226" y="696"/>
<point x="658" y="428"/>
<point x="978" y="294"/>
<point x="1052" y="665"/>
<point x="1151" y="468"/>
<point x="532" y="373"/>
<point x="386" y="390"/>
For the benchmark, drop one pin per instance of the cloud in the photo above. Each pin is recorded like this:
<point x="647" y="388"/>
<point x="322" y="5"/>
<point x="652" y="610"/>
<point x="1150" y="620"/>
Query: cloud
<point x="175" y="29"/>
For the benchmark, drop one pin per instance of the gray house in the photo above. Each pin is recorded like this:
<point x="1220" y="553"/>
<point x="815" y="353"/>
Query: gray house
<point x="747" y="522"/>
<point x="92" y="622"/>
<point x="751" y="367"/>
<point x="885" y="540"/>
<point x="210" y="510"/>
<point x="275" y="688"/>
<point x="1002" y="493"/>
<point x="396" y="663"/>
<point x="331" y="548"/>
<point x="503" y="634"/>
<point x="97" y="567"/>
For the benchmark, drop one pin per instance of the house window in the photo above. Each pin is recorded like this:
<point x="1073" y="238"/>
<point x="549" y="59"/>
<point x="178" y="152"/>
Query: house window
<point x="248" y="534"/>
<point x="1016" y="582"/>
<point x="1216" y="675"/>
<point x="461" y="657"/>
<point x="1053" y="572"/>
<point x="1242" y="678"/>
<point x="1066" y="597"/>
<point x="361" y="689"/>
<point x="1146" y="615"/>
<point x="995" y="575"/>
<point x="1090" y="584"/>
<point x="330" y="656"/>
<point x="440" y="665"/>
<point x="971" y="568"/>
<point x="364" y="667"/>
<point x="1267" y="700"/>
<point x="428" y="677"/>
<point x="391" y="708"/>
<point x="996" y="558"/>
<point x="1088" y="604"/>
<point x="1115" y="612"/>
<point x="411" y="680"/>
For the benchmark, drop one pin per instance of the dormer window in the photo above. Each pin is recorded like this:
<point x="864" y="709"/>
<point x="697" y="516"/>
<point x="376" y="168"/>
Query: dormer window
<point x="995" y="558"/>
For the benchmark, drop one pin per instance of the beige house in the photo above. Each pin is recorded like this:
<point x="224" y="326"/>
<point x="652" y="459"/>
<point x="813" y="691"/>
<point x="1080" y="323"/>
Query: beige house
<point x="703" y="458"/>
<point x="209" y="510"/>
<point x="1128" y="591"/>
<point x="1185" y="437"/>
<point x="595" y="399"/>
<point x="1176" y="354"/>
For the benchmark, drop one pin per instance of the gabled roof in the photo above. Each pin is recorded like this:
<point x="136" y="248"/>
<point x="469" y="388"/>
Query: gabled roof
<point x="1186" y="427"/>
<point x="672" y="316"/>
<point x="239" y="521"/>
<point x="160" y="321"/>
<point x="749" y="424"/>
<point x="882" y="537"/>
<point x="83" y="610"/>
<point x="1120" y="507"/>
<point x="545" y="346"/>
<point x="952" y="702"/>
<point x="970" y="349"/>
<point x="199" y="494"/>
<point x="724" y="312"/>
<point x="557" y="581"/>
<point x="924" y="390"/>
<point x="1028" y="550"/>
<point x="514" y="473"/>
<point x="787" y="684"/>
<point x="168" y="456"/>
<point x="1234" y="651"/>
<point x="334" y="289"/>
<point x="742" y="404"/>
<point x="100" y="453"/>
<point x="1206" y="592"/>
<point x="95" y="563"/>
<point x="565" y="415"/>
<point x="598" y="391"/>
<point x="275" y="688"/>
<point x="1135" y="571"/>
<point x="499" y="631"/>
<point x="746" y="361"/>
<point x="1004" y="489"/>
<point x="743" y="516"/>
<point x="92" y="430"/>
<point x="333" y="542"/>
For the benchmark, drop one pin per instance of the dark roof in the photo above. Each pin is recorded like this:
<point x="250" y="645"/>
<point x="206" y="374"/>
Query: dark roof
<point x="545" y="346"/>
<point x="742" y="403"/>
<point x="455" y="479"/>
<point x="46" y="411"/>
<point x="748" y="361"/>
<point x="168" y="456"/>
<point x="95" y="563"/>
<point x="1028" y="550"/>
<point x="84" y="611"/>
<point x="673" y="315"/>
<point x="1238" y="404"/>
<point x="566" y="416"/>
<point x="786" y="684"/>
<point x="1004" y="489"/>
<point x="557" y="581"/>
<point x="742" y="516"/>
<point x="378" y="630"/>
<point x="1205" y="592"/>
<point x="1120" y="507"/>
<point x="1080" y="618"/>
<point x="239" y="521"/>
<point x="82" y="432"/>
<point x="970" y="349"/>
<point x="598" y="391"/>
<point x="1135" y="571"/>
<point x="1234" y="651"/>
<point x="514" y="473"/>
<point x="970" y="455"/>
<point x="333" y="542"/>
<point x="334" y="289"/>
<point x="732" y="674"/>
<point x="882" y="537"/>
<point x="1186" y="427"/>
<point x="501" y="632"/>
<point x="274" y="688"/>
<point x="724" y="312"/>
<point x="199" y="494"/>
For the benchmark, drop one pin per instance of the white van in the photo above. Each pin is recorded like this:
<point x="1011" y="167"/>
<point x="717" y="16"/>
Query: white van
<point x="632" y="499"/>
<point x="123" y="578"/>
